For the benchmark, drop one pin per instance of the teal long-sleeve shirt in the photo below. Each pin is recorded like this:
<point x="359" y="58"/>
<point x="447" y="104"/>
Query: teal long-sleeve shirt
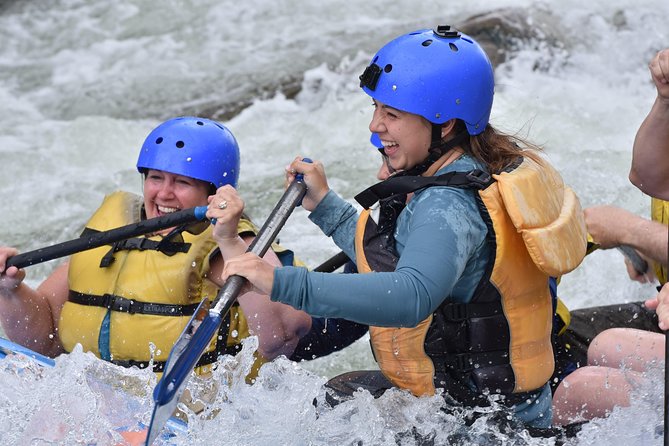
<point x="441" y="241"/>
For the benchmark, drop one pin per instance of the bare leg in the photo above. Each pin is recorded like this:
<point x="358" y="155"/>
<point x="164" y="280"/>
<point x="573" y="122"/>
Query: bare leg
<point x="626" y="348"/>
<point x="592" y="392"/>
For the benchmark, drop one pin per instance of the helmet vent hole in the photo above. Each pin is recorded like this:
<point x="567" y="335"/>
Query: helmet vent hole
<point x="180" y="144"/>
<point x="200" y="123"/>
<point x="388" y="68"/>
<point x="453" y="47"/>
<point x="159" y="140"/>
<point x="427" y="42"/>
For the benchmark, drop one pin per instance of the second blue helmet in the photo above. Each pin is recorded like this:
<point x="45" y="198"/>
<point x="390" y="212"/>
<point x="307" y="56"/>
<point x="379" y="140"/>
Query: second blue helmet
<point x="194" y="147"/>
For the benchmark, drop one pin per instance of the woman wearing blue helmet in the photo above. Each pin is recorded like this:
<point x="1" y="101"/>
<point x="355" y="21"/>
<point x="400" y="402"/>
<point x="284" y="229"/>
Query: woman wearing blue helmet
<point x="461" y="240"/>
<point x="118" y="300"/>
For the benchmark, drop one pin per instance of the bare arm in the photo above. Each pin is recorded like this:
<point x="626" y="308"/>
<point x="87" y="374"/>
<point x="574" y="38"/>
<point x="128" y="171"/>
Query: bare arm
<point x="650" y="157"/>
<point x="611" y="226"/>
<point x="30" y="316"/>
<point x="279" y="327"/>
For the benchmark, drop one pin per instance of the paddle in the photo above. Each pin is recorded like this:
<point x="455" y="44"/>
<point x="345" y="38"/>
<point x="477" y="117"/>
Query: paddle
<point x="205" y="322"/>
<point x="7" y="347"/>
<point x="638" y="263"/>
<point x="97" y="239"/>
<point x="333" y="263"/>
<point x="641" y="267"/>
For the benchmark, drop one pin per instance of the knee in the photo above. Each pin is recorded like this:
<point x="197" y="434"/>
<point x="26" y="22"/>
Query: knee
<point x="573" y="395"/>
<point x="602" y="349"/>
<point x="571" y="387"/>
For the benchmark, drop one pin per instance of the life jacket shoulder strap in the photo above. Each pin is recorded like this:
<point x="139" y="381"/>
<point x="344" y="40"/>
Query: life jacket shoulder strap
<point x="456" y="312"/>
<point x="396" y="185"/>
<point x="167" y="246"/>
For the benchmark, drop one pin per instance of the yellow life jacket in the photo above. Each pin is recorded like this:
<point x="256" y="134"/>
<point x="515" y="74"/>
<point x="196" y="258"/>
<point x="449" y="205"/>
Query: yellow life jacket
<point x="659" y="212"/>
<point x="501" y="340"/>
<point x="144" y="291"/>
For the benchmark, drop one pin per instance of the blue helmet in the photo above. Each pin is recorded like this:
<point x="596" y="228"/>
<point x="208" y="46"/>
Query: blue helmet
<point x="439" y="75"/>
<point x="193" y="147"/>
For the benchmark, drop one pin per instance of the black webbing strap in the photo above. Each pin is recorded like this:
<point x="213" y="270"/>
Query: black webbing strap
<point x="465" y="362"/>
<point x="171" y="244"/>
<point x="159" y="366"/>
<point x="165" y="246"/>
<point x="396" y="185"/>
<point x="207" y="358"/>
<point x="460" y="311"/>
<point x="118" y="303"/>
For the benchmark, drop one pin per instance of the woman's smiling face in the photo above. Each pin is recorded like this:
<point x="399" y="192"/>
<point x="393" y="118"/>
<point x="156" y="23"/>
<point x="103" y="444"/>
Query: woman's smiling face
<point x="405" y="136"/>
<point x="166" y="192"/>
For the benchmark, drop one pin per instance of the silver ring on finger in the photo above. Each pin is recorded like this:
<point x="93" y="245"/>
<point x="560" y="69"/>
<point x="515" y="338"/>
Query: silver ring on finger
<point x="223" y="204"/>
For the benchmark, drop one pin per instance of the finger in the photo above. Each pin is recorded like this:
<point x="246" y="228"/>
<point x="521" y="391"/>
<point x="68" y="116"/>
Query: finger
<point x="307" y="167"/>
<point x="294" y="168"/>
<point x="231" y="267"/>
<point x="651" y="303"/>
<point x="663" y="65"/>
<point x="13" y="271"/>
<point x="303" y="167"/>
<point x="5" y="254"/>
<point x="659" y="67"/>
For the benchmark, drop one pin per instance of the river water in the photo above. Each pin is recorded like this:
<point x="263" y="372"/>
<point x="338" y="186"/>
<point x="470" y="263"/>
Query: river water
<point x="83" y="82"/>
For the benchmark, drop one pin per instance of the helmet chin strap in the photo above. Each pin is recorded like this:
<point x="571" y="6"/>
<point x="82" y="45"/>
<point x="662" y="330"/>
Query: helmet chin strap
<point x="438" y="148"/>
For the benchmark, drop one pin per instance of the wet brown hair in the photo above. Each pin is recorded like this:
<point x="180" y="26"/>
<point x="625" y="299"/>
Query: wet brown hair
<point x="497" y="150"/>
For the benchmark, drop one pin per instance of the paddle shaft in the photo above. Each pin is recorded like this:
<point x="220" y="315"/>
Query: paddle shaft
<point x="641" y="267"/>
<point x="107" y="237"/>
<point x="173" y="381"/>
<point x="291" y="198"/>
<point x="333" y="263"/>
<point x="638" y="263"/>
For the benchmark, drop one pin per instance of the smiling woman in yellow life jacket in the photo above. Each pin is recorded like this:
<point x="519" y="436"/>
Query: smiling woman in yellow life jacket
<point x="459" y="244"/>
<point x="117" y="301"/>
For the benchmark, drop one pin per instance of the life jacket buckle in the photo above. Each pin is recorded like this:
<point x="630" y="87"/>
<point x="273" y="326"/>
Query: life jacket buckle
<point x="461" y="362"/>
<point x="136" y="243"/>
<point x="479" y="178"/>
<point x="108" y="301"/>
<point x="131" y="306"/>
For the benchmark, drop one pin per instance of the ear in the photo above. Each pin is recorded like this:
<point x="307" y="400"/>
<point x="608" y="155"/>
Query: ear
<point x="447" y="128"/>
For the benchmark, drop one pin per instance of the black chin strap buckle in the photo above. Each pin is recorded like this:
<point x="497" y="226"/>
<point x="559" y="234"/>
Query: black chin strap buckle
<point x="446" y="31"/>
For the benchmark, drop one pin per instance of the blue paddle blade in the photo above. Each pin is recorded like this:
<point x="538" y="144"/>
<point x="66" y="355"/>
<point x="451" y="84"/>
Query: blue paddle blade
<point x="181" y="362"/>
<point x="8" y="347"/>
<point x="186" y="335"/>
<point x="174" y="426"/>
<point x="197" y="335"/>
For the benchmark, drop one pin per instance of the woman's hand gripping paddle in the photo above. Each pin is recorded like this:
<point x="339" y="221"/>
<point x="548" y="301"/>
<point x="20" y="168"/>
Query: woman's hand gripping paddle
<point x="205" y="322"/>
